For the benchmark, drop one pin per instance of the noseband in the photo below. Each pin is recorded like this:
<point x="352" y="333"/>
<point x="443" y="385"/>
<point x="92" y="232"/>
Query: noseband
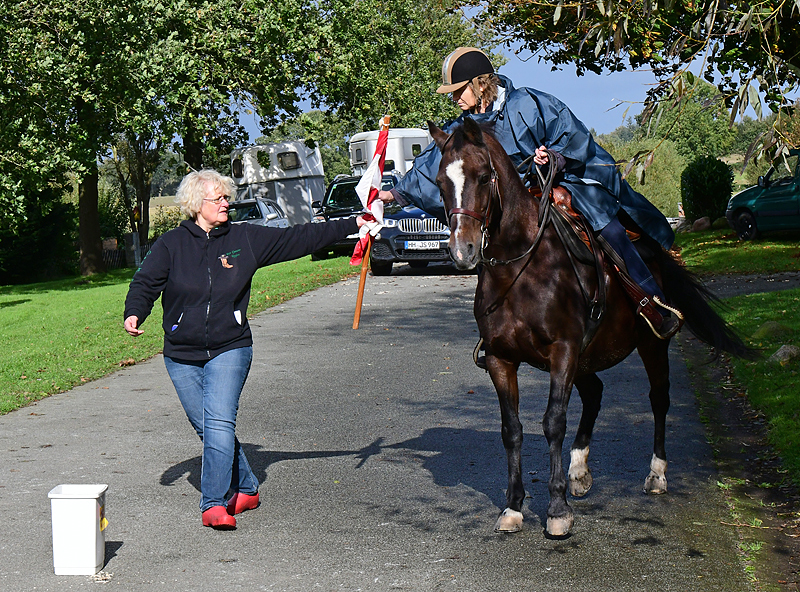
<point x="482" y="218"/>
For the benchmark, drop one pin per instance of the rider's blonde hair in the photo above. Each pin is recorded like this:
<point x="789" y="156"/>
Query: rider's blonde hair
<point x="489" y="94"/>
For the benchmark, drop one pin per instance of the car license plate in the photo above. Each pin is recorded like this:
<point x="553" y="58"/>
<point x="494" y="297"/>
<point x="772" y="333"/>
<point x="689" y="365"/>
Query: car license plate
<point x="422" y="245"/>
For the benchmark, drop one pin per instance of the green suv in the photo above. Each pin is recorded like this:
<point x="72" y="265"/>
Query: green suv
<point x="773" y="204"/>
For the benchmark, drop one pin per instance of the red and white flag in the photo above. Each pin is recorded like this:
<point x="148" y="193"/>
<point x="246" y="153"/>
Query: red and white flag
<point x="367" y="190"/>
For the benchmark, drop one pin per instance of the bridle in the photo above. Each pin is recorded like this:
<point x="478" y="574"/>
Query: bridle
<point x="494" y="192"/>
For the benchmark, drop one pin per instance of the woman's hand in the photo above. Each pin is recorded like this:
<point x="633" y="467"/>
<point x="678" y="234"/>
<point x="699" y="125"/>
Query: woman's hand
<point x="385" y="196"/>
<point x="540" y="156"/>
<point x="131" y="324"/>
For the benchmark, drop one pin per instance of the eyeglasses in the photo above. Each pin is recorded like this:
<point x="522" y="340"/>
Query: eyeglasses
<point x="216" y="200"/>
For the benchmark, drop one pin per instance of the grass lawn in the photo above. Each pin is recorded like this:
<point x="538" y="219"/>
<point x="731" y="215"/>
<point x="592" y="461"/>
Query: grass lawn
<point x="770" y="387"/>
<point x="62" y="333"/>
<point x="768" y="321"/>
<point x="719" y="251"/>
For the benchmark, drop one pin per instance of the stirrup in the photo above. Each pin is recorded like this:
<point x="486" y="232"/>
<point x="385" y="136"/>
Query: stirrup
<point x="668" y="326"/>
<point x="480" y="360"/>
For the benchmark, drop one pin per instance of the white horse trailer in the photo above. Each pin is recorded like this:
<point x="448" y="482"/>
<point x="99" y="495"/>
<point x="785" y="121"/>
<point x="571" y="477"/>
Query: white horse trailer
<point x="289" y="173"/>
<point x="402" y="147"/>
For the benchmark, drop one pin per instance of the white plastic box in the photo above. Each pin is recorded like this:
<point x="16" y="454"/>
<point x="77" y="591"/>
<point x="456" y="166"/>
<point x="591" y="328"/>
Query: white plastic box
<point x="79" y="519"/>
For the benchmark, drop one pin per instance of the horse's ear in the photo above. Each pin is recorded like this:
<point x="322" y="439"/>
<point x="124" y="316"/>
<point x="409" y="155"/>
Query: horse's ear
<point x="473" y="131"/>
<point x="439" y="137"/>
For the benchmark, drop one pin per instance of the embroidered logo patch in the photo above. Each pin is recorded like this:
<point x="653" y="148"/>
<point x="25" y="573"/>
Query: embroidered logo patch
<point x="232" y="255"/>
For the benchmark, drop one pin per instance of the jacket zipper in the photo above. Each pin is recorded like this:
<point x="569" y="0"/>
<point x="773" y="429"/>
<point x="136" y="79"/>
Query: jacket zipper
<point x="208" y="306"/>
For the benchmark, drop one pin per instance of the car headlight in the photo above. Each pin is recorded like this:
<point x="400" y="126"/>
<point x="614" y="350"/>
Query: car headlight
<point x="390" y="222"/>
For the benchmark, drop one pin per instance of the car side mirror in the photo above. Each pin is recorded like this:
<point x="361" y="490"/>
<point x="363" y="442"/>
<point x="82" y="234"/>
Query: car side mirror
<point x="761" y="182"/>
<point x="316" y="204"/>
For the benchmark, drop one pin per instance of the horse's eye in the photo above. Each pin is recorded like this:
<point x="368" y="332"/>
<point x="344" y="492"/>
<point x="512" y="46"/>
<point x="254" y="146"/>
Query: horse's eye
<point x="484" y="179"/>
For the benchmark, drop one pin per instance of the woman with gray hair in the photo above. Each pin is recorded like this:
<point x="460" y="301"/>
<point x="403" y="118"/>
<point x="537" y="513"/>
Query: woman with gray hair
<point x="203" y="270"/>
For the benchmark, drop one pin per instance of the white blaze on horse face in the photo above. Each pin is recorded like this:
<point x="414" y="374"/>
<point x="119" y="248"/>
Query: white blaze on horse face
<point x="455" y="172"/>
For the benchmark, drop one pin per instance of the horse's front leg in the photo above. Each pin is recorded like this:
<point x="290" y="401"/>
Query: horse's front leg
<point x="559" y="515"/>
<point x="504" y="377"/>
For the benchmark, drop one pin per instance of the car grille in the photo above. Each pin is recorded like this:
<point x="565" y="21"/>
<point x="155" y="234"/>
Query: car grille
<point x="421" y="225"/>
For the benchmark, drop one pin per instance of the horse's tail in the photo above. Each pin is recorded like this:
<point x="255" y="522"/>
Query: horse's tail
<point x="685" y="290"/>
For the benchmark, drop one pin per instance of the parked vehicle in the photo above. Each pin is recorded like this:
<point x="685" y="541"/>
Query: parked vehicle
<point x="341" y="201"/>
<point x="289" y="173"/>
<point x="259" y="211"/>
<point x="409" y="235"/>
<point x="402" y="147"/>
<point x="772" y="204"/>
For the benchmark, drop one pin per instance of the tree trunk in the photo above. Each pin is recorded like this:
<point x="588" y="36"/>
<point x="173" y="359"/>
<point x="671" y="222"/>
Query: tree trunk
<point x="91" y="257"/>
<point x="192" y="148"/>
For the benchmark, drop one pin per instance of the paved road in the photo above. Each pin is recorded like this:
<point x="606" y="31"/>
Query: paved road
<point x="382" y="464"/>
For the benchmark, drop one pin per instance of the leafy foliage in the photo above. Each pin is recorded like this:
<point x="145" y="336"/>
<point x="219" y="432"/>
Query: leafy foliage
<point x="663" y="179"/>
<point x="753" y="46"/>
<point x="40" y="243"/>
<point x="696" y="124"/>
<point x="706" y="187"/>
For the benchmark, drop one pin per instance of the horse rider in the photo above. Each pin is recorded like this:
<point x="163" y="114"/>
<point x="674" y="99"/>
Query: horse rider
<point x="527" y="122"/>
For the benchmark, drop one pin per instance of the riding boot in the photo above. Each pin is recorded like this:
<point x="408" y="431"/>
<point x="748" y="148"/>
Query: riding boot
<point x="640" y="284"/>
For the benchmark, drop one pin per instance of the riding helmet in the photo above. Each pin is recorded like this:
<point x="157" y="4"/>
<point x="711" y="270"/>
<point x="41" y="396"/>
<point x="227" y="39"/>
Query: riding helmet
<point x="461" y="66"/>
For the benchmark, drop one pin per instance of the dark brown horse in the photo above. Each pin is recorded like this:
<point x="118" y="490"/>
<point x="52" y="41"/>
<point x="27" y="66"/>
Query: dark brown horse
<point x="530" y="307"/>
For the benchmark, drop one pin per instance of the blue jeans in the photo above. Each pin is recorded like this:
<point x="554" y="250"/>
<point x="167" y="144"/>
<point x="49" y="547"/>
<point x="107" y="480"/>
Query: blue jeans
<point x="616" y="236"/>
<point x="209" y="392"/>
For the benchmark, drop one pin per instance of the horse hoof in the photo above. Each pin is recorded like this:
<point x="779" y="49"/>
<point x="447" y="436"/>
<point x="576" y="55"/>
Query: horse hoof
<point x="509" y="521"/>
<point x="579" y="485"/>
<point x="560" y="525"/>
<point x="655" y="484"/>
<point x="656" y="481"/>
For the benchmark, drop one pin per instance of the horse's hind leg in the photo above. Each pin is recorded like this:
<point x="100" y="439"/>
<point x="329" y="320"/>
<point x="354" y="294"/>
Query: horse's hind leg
<point x="655" y="356"/>
<point x="504" y="377"/>
<point x="590" y="389"/>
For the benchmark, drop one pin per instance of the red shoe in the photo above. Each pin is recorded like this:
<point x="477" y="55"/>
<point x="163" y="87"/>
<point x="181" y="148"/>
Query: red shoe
<point x="241" y="502"/>
<point x="217" y="517"/>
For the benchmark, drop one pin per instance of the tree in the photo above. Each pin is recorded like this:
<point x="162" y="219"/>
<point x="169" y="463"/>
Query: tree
<point x="371" y="57"/>
<point x="697" y="125"/>
<point x="753" y="46"/>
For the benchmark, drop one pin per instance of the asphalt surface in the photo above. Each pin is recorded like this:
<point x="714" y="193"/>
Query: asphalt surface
<point x="382" y="467"/>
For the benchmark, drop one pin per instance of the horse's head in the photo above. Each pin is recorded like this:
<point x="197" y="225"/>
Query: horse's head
<point x="468" y="185"/>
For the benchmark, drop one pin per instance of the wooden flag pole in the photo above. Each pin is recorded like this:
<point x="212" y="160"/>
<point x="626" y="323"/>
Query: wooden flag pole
<point x="362" y="282"/>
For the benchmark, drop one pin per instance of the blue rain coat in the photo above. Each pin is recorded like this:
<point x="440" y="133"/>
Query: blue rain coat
<point x="524" y="119"/>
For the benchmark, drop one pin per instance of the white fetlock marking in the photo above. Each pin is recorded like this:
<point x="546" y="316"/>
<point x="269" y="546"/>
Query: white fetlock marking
<point x="580" y="477"/>
<point x="658" y="466"/>
<point x="578" y="458"/>
<point x="509" y="521"/>
<point x="656" y="481"/>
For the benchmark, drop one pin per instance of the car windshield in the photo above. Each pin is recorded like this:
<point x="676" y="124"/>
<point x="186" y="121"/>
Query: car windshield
<point x="238" y="212"/>
<point x="343" y="195"/>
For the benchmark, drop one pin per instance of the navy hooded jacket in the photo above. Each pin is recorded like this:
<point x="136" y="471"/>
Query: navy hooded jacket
<point x="524" y="119"/>
<point x="205" y="279"/>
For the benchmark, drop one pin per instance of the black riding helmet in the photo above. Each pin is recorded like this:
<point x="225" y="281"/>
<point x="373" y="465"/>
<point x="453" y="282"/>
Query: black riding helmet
<point x="462" y="66"/>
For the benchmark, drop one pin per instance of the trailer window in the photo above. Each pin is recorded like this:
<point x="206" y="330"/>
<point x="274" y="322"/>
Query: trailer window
<point x="237" y="167"/>
<point x="288" y="161"/>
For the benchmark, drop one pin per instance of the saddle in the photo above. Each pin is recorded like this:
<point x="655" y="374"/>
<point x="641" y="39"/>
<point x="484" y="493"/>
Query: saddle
<point x="581" y="243"/>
